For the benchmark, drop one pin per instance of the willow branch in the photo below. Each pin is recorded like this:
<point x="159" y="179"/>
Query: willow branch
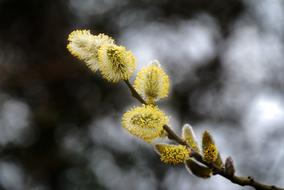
<point x="240" y="180"/>
<point x="134" y="92"/>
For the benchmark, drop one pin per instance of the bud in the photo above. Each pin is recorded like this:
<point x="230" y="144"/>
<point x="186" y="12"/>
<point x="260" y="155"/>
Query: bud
<point x="189" y="136"/>
<point x="197" y="169"/>
<point x="210" y="151"/>
<point x="229" y="167"/>
<point x="218" y="162"/>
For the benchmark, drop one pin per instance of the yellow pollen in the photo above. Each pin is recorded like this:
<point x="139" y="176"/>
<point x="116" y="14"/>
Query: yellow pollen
<point x="83" y="45"/>
<point x="152" y="83"/>
<point x="116" y="63"/>
<point x="172" y="154"/>
<point x="210" y="151"/>
<point x="145" y="122"/>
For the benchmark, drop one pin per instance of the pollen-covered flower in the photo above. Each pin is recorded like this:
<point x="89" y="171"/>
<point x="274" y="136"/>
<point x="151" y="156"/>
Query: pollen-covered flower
<point x="116" y="63"/>
<point x="145" y="122"/>
<point x="172" y="154"/>
<point x="83" y="45"/>
<point x="152" y="83"/>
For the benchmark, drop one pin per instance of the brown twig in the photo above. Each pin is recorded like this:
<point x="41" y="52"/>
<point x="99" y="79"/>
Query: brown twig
<point x="243" y="181"/>
<point x="134" y="92"/>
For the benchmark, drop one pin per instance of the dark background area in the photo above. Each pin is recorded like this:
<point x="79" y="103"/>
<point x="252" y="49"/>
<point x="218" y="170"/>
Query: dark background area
<point x="60" y="123"/>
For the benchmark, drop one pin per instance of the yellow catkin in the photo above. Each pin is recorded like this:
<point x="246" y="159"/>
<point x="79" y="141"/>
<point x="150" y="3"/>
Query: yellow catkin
<point x="210" y="151"/>
<point x="172" y="154"/>
<point x="189" y="136"/>
<point x="152" y="83"/>
<point x="116" y="63"/>
<point x="83" y="45"/>
<point x="145" y="122"/>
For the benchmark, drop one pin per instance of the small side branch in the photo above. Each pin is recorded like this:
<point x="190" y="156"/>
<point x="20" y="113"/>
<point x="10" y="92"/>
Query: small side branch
<point x="242" y="181"/>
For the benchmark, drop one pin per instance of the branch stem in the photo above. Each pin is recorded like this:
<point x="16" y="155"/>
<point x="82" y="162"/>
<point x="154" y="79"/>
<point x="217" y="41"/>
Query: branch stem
<point x="240" y="180"/>
<point x="134" y="93"/>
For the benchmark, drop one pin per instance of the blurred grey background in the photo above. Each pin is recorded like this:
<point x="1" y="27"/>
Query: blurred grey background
<point x="60" y="123"/>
